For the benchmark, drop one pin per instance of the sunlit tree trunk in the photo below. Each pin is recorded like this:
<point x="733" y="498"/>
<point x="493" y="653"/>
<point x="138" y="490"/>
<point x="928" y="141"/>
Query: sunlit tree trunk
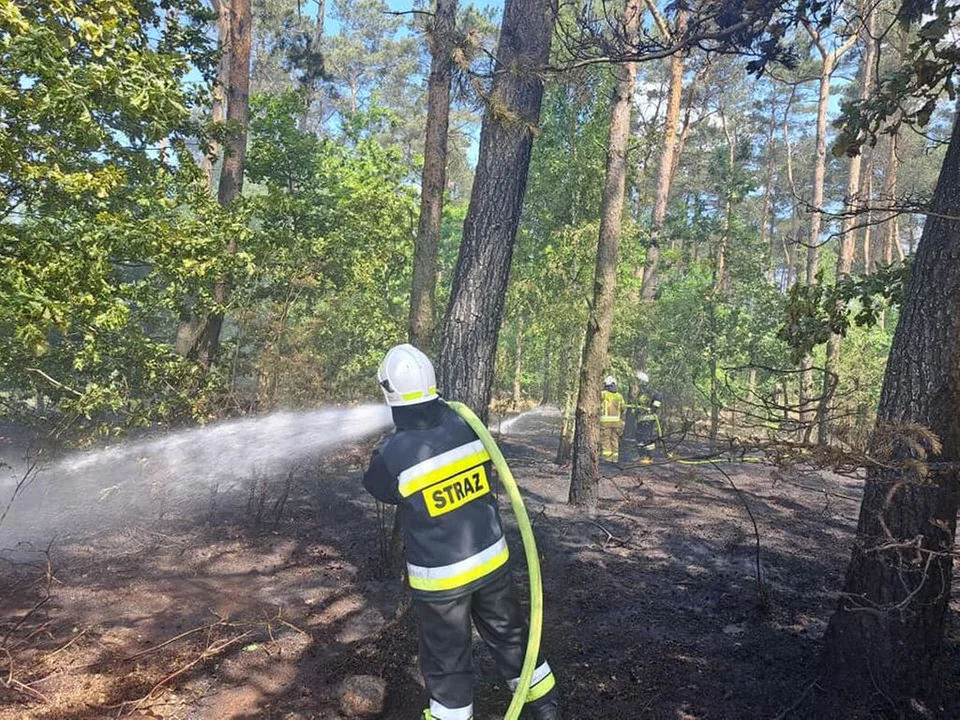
<point x="313" y="96"/>
<point x="768" y="190"/>
<point x="719" y="281"/>
<point x="517" y="365"/>
<point x="568" y="391"/>
<point x="422" y="296"/>
<point x="848" y="235"/>
<point x="888" y="629"/>
<point x="891" y="231"/>
<point x="475" y="310"/>
<point x="828" y="64"/>
<point x="191" y="323"/>
<point x="791" y="246"/>
<point x="668" y="157"/>
<point x="545" y="385"/>
<point x="585" y="475"/>
<point x="207" y="342"/>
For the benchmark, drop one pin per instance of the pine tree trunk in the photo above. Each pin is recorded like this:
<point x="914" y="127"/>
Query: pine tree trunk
<point x="424" y="285"/>
<point x="791" y="246"/>
<point x="719" y="281"/>
<point x="807" y="410"/>
<point x="207" y="342"/>
<point x="768" y="189"/>
<point x="828" y="65"/>
<point x="888" y="629"/>
<point x="891" y="235"/>
<point x="565" y="446"/>
<point x="854" y="198"/>
<point x="218" y="105"/>
<point x="545" y="385"/>
<point x="517" y="366"/>
<point x="668" y="158"/>
<point x="190" y="323"/>
<point x="475" y="310"/>
<point x="585" y="474"/>
<point x="314" y="91"/>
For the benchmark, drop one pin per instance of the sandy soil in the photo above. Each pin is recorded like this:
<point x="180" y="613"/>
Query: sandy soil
<point x="654" y="609"/>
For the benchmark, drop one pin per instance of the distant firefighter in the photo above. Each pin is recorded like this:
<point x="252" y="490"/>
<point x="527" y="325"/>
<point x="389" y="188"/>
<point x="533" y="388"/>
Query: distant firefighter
<point x="647" y="407"/>
<point x="611" y="420"/>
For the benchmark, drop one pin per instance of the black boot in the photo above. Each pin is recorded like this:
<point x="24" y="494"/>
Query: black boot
<point x="546" y="709"/>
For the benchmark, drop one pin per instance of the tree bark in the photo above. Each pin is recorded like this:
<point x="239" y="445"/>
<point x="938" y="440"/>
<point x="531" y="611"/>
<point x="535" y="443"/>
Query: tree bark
<point x="891" y="235"/>
<point x="517" y="365"/>
<point x="423" y="290"/>
<point x="314" y="91"/>
<point x="190" y="323"/>
<point x="207" y="343"/>
<point x="719" y="281"/>
<point x="218" y="105"/>
<point x="767" y="191"/>
<point x="568" y="389"/>
<point x="828" y="64"/>
<point x="475" y="310"/>
<point x="888" y="629"/>
<point x="668" y="158"/>
<point x="791" y="246"/>
<point x="545" y="385"/>
<point x="585" y="474"/>
<point x="848" y="238"/>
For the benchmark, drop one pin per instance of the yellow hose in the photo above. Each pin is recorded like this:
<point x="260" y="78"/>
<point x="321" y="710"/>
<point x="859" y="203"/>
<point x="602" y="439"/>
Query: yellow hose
<point x="529" y="550"/>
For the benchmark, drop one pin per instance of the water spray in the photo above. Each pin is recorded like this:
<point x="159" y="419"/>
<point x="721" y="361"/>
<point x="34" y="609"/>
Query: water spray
<point x="116" y="484"/>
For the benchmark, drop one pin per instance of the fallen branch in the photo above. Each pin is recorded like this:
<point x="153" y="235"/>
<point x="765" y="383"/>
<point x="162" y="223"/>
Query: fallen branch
<point x="18" y="686"/>
<point x="171" y="641"/>
<point x="610" y="536"/>
<point x="207" y="653"/>
<point x="761" y="588"/>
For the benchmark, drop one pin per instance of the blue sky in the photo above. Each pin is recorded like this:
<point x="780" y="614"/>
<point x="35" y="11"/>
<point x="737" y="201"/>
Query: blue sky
<point x="332" y="27"/>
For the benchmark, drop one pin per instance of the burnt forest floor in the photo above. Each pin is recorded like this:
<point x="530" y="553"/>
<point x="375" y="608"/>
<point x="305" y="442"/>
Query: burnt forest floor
<point x="257" y="607"/>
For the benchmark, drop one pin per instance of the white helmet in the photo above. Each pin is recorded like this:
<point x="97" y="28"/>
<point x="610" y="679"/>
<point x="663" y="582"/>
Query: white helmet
<point x="407" y="377"/>
<point x="642" y="376"/>
<point x="609" y="380"/>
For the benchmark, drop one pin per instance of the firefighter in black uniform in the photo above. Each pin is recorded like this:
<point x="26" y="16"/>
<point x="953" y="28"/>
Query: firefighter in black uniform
<point x="436" y="469"/>
<point x="649" y="430"/>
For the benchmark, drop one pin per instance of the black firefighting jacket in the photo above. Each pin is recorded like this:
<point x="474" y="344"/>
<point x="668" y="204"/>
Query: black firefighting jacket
<point x="435" y="467"/>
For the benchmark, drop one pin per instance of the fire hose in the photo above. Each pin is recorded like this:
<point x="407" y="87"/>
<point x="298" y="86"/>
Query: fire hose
<point x="529" y="550"/>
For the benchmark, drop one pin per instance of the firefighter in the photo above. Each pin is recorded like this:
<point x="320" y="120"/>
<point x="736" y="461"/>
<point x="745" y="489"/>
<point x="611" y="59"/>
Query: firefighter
<point x="436" y="469"/>
<point x="611" y="420"/>
<point x="649" y="430"/>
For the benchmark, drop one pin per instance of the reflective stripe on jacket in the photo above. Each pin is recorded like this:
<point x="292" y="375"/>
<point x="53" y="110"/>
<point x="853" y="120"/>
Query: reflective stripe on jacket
<point x="441" y="477"/>
<point x="611" y="407"/>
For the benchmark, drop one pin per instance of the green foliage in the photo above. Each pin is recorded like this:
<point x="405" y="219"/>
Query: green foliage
<point x="105" y="226"/>
<point x="88" y="301"/>
<point x="912" y="90"/>
<point x="86" y="89"/>
<point x="814" y="312"/>
<point x="333" y="239"/>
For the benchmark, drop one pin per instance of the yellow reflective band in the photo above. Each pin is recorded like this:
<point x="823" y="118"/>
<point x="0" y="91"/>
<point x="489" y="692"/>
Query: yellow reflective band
<point x="541" y="688"/>
<point x="609" y="418"/>
<point x="434" y="472"/>
<point x="436" y="579"/>
<point x="418" y="394"/>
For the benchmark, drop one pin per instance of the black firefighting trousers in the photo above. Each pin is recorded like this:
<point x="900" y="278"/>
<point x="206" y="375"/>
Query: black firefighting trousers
<point x="446" y="650"/>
